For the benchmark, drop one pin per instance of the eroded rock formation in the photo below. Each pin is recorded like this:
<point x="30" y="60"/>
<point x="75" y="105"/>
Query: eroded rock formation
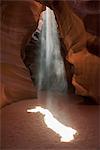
<point x="18" y="21"/>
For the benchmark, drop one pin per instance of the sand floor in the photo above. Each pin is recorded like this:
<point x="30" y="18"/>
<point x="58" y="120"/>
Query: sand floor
<point x="27" y="131"/>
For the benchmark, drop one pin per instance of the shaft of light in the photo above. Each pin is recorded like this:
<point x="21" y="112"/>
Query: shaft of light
<point x="66" y="133"/>
<point x="51" y="71"/>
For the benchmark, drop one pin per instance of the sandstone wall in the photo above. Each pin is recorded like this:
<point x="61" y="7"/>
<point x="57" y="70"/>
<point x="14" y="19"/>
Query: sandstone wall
<point x="18" y="21"/>
<point x="86" y="77"/>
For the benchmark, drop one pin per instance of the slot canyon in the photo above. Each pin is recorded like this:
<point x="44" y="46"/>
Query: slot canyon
<point x="49" y="60"/>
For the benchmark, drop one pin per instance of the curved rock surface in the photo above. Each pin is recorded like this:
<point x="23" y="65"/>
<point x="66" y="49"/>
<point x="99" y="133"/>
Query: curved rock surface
<point x="19" y="21"/>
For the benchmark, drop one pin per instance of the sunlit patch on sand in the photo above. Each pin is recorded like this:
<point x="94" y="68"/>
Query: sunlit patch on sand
<point x="66" y="133"/>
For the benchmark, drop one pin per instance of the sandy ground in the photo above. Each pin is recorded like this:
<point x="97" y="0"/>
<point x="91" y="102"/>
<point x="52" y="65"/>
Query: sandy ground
<point x="27" y="131"/>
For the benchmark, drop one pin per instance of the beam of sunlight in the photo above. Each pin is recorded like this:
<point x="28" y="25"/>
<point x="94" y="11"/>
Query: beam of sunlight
<point x="65" y="133"/>
<point x="51" y="70"/>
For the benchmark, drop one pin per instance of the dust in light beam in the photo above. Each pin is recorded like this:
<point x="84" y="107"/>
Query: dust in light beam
<point x="66" y="133"/>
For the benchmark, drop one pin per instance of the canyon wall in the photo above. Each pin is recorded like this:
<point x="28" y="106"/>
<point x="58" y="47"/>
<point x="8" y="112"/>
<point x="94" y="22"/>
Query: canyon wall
<point x="19" y="20"/>
<point x="86" y="78"/>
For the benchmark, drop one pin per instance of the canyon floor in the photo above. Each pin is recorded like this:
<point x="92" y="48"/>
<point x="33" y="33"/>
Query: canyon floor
<point x="27" y="131"/>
